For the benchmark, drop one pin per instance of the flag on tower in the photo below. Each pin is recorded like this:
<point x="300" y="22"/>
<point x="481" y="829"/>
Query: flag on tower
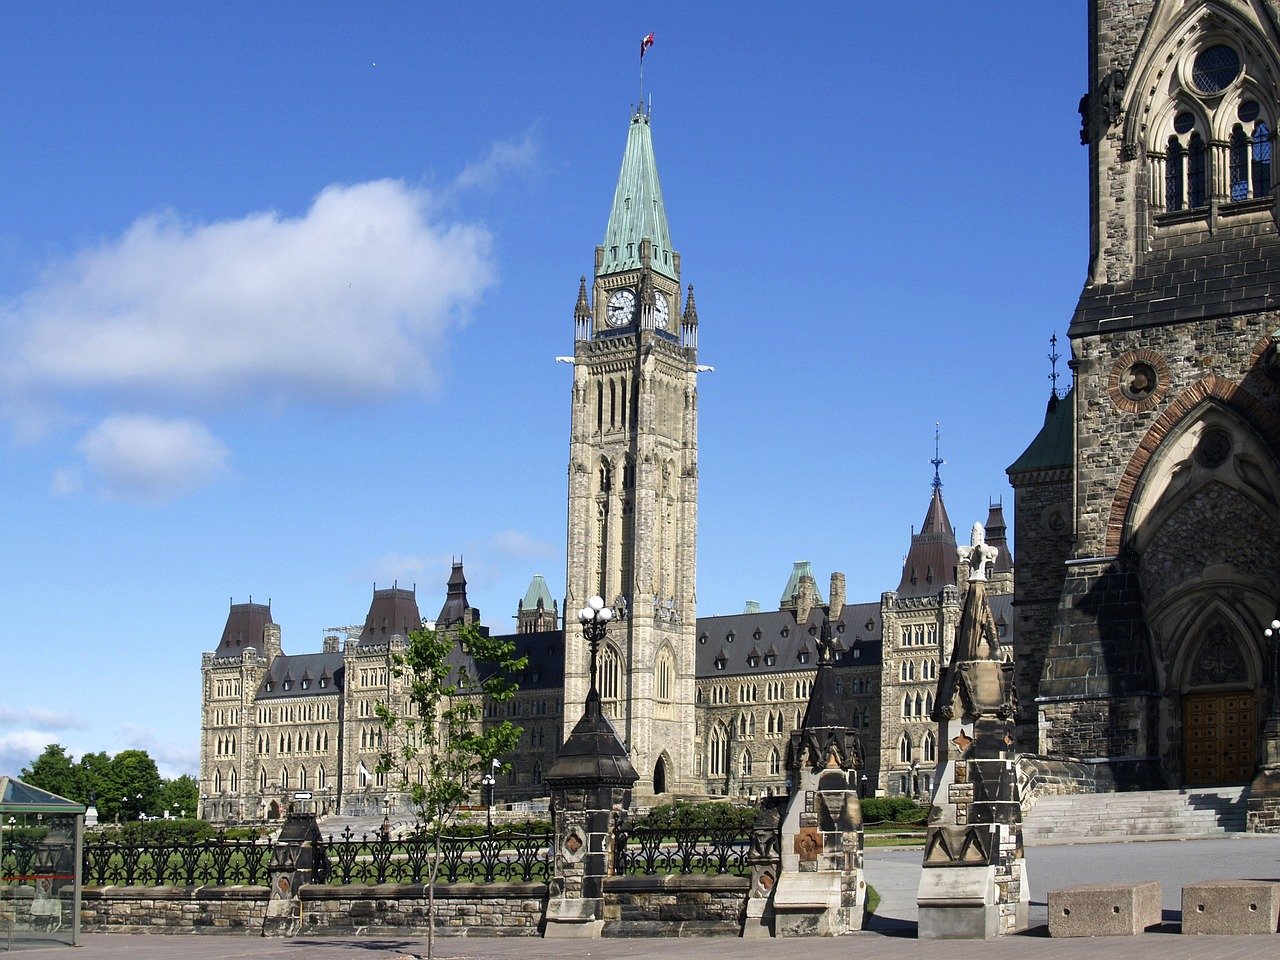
<point x="645" y="44"/>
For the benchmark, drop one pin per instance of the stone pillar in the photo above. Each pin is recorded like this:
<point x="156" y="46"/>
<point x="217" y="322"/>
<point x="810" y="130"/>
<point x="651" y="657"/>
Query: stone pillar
<point x="295" y="860"/>
<point x="765" y="860"/>
<point x="973" y="884"/>
<point x="590" y="785"/>
<point x="821" y="890"/>
<point x="1263" y="803"/>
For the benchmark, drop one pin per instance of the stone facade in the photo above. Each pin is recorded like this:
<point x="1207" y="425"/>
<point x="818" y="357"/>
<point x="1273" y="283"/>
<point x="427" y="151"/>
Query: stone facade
<point x="1172" y="458"/>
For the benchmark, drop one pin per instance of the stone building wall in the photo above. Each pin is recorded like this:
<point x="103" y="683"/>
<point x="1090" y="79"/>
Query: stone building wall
<point x="225" y="910"/>
<point x="674" y="906"/>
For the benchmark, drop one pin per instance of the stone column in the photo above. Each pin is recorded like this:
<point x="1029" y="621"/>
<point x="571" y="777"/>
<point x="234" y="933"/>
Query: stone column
<point x="821" y="890"/>
<point x="295" y="860"/>
<point x="1263" y="803"/>
<point x="590" y="785"/>
<point x="973" y="885"/>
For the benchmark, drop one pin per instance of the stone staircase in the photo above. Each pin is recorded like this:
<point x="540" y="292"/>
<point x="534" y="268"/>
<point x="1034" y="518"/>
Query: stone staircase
<point x="1204" y="812"/>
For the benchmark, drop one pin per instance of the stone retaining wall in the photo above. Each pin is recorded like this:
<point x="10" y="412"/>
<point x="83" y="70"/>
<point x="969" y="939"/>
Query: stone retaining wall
<point x="173" y="909"/>
<point x="674" y="906"/>
<point x="473" y="909"/>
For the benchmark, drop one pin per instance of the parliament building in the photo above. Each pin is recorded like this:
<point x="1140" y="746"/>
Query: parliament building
<point x="1146" y="510"/>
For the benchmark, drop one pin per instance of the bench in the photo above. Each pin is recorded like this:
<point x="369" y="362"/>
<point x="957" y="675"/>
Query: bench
<point x="1104" y="909"/>
<point x="1231" y="906"/>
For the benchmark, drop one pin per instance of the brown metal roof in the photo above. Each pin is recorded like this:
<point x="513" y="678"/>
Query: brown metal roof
<point x="931" y="561"/>
<point x="245" y="623"/>
<point x="393" y="611"/>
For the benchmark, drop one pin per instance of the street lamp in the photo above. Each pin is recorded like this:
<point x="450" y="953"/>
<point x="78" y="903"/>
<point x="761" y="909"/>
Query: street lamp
<point x="594" y="617"/>
<point x="486" y="797"/>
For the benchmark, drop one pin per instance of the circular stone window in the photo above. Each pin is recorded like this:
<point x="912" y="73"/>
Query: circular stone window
<point x="1249" y="111"/>
<point x="1184" y="123"/>
<point x="1215" y="68"/>
<point x="1213" y="448"/>
<point x="1138" y="380"/>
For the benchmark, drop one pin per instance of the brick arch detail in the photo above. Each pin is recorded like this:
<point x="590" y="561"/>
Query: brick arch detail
<point x="1212" y="387"/>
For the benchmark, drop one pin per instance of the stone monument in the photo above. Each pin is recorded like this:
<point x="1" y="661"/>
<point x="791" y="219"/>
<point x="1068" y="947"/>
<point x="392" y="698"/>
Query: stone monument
<point x="590" y="783"/>
<point x="973" y="885"/>
<point x="820" y="889"/>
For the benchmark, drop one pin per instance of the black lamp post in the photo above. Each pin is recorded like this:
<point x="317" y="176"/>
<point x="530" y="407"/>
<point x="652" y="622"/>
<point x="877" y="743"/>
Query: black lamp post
<point x="594" y="617"/>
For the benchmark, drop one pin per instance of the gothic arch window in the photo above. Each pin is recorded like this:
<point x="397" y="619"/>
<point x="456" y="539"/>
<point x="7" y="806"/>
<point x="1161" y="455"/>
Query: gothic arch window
<point x="610" y="680"/>
<point x="919" y="706"/>
<point x="284" y="779"/>
<point x="664" y="681"/>
<point x="718" y="751"/>
<point x="930" y="747"/>
<point x="904" y="749"/>
<point x="744" y="764"/>
<point x="775" y="762"/>
<point x="262" y="779"/>
<point x="234" y="781"/>
<point x="320" y="778"/>
<point x="302" y="778"/>
<point x="217" y="781"/>
<point x="906" y="706"/>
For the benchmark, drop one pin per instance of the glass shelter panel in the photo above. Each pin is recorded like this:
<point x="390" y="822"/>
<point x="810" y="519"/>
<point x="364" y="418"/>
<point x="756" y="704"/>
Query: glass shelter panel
<point x="41" y="838"/>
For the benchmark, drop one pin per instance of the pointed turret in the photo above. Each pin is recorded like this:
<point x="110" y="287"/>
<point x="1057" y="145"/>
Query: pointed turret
<point x="997" y="537"/>
<point x="638" y="211"/>
<point x="689" y="322"/>
<point x="582" y="312"/>
<point x="456" y="609"/>
<point x="537" y="612"/>
<point x="931" y="561"/>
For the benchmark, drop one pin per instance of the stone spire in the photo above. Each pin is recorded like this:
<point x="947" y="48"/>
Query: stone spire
<point x="638" y="211"/>
<point x="456" y="609"/>
<point x="931" y="562"/>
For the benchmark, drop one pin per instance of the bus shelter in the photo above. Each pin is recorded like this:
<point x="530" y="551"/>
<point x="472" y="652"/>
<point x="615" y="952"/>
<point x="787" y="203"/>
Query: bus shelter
<point x="41" y="847"/>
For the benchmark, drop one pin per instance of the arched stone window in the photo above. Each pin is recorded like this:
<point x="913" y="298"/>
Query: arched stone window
<point x="262" y="779"/>
<point x="775" y="762"/>
<point x="320" y="778"/>
<point x="718" y="751"/>
<point x="930" y="747"/>
<point x="904" y="749"/>
<point x="611" y="681"/>
<point x="302" y="778"/>
<point x="664" y="675"/>
<point x="284" y="779"/>
<point x="744" y="764"/>
<point x="235" y="781"/>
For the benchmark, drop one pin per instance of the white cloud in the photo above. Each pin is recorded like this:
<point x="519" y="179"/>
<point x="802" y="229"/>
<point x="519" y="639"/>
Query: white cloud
<point x="145" y="458"/>
<point x="171" y="759"/>
<point x="402" y="568"/>
<point x="505" y="158"/>
<point x="19" y="748"/>
<point x="66" y="481"/>
<point x="348" y="302"/>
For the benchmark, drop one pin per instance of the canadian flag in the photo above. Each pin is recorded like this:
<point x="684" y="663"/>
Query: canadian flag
<point x="645" y="44"/>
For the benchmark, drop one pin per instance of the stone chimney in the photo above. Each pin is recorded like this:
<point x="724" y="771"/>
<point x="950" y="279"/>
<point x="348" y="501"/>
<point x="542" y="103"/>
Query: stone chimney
<point x="271" y="642"/>
<point x="331" y="643"/>
<point x="837" y="595"/>
<point x="806" y="597"/>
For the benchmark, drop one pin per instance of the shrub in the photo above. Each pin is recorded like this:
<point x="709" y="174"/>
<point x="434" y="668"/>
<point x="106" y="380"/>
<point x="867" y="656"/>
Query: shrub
<point x="717" y="814"/>
<point x="892" y="810"/>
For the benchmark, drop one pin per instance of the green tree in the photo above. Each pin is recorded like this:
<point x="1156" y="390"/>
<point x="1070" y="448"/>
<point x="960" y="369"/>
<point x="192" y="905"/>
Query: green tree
<point x="437" y="745"/>
<point x="54" y="771"/>
<point x="97" y="782"/>
<point x="180" y="794"/>
<point x="136" y="781"/>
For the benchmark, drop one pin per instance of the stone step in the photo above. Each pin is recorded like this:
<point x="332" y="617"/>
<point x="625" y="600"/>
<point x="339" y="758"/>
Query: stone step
<point x="1212" y="811"/>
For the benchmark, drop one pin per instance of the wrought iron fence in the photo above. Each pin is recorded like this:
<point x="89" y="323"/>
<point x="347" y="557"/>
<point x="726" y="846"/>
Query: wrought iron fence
<point x="685" y="850"/>
<point x="214" y="862"/>
<point x="500" y="856"/>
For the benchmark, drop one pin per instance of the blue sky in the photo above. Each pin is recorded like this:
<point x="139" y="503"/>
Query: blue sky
<point x="282" y="285"/>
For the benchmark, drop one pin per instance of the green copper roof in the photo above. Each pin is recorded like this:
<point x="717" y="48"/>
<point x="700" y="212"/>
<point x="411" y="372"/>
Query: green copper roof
<point x="801" y="568"/>
<point x="638" y="211"/>
<point x="537" y="591"/>
<point x="1052" y="447"/>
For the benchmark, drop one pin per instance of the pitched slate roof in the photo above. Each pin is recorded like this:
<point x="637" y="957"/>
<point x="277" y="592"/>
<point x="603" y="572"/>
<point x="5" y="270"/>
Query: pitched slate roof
<point x="931" y="561"/>
<point x="393" y="611"/>
<point x="1053" y="446"/>
<point x="638" y="210"/>
<point x="746" y="642"/>
<point x="245" y="623"/>
<point x="293" y="670"/>
<point x="997" y="536"/>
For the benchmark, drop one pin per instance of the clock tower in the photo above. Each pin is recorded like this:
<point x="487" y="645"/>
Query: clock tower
<point x="633" y="480"/>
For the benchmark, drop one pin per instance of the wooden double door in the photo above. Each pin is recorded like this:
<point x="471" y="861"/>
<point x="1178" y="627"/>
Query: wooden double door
<point x="1219" y="738"/>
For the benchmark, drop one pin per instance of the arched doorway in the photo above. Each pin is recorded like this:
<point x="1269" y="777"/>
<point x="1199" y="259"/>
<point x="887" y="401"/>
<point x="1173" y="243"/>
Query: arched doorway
<point x="1219" y="712"/>
<point x="660" y="776"/>
<point x="273" y="811"/>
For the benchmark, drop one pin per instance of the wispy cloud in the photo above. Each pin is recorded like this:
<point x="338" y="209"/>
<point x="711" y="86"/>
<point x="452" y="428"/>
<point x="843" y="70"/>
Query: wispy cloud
<point x="171" y="759"/>
<point x="505" y="158"/>
<point x="518" y="545"/>
<point x="38" y="718"/>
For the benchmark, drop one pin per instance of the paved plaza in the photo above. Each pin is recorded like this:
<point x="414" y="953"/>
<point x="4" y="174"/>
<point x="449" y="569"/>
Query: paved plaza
<point x="891" y="933"/>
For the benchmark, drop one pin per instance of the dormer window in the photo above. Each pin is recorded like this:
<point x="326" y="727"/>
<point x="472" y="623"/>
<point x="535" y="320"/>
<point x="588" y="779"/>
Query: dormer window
<point x="720" y="663"/>
<point x="268" y="686"/>
<point x="770" y="659"/>
<point x="803" y="656"/>
<point x="306" y="684"/>
<point x="287" y="684"/>
<point x="729" y="636"/>
<point x="323" y="683"/>
<point x="753" y="660"/>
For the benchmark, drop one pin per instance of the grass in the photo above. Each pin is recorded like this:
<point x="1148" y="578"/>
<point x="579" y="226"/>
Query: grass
<point x="873" y="899"/>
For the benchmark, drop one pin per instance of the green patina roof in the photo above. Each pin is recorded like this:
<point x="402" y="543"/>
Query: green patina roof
<point x="1052" y="448"/>
<point x="537" y="591"/>
<point x="638" y="211"/>
<point x="802" y="568"/>
<point x="19" y="797"/>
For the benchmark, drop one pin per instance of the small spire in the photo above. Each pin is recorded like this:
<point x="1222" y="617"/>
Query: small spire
<point x="1053" y="365"/>
<point x="937" y="460"/>
<point x="690" y="309"/>
<point x="582" y="310"/>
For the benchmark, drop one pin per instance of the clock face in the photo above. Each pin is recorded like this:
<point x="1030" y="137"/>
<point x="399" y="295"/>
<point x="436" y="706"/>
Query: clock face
<point x="621" y="307"/>
<point x="661" y="310"/>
